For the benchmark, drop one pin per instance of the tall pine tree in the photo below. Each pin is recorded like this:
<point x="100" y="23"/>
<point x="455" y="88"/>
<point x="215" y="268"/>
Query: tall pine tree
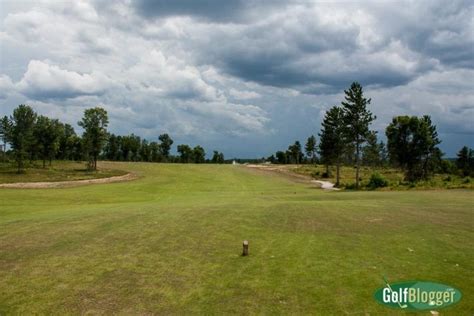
<point x="357" y="119"/>
<point x="332" y="143"/>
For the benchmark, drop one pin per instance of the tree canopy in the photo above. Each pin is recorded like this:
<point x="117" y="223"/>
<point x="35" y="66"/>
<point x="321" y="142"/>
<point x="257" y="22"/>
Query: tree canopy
<point x="412" y="144"/>
<point x="95" y="123"/>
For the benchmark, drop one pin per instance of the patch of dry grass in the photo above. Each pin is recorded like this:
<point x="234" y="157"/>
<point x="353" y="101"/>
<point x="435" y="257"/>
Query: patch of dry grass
<point x="59" y="171"/>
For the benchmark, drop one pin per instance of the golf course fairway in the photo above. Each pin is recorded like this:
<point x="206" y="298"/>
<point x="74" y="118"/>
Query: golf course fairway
<point x="170" y="242"/>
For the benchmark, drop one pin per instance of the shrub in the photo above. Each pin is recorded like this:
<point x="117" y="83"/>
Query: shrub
<point x="326" y="175"/>
<point x="349" y="186"/>
<point x="377" y="181"/>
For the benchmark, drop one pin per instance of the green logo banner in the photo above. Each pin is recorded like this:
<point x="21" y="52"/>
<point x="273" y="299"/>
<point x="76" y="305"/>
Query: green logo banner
<point x="417" y="295"/>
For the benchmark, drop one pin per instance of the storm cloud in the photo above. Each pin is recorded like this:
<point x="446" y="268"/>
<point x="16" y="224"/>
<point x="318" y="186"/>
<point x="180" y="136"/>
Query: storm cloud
<point x="243" y="77"/>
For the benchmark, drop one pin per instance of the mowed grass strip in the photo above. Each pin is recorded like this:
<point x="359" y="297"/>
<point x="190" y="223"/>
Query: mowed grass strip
<point x="170" y="242"/>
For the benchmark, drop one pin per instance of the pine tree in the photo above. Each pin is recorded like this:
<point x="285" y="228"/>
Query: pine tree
<point x="332" y="142"/>
<point x="310" y="148"/>
<point x="357" y="119"/>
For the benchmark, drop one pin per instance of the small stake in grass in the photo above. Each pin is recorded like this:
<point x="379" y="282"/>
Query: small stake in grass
<point x="245" y="251"/>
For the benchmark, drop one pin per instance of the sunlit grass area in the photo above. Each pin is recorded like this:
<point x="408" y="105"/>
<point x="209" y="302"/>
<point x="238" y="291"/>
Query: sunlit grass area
<point x="170" y="243"/>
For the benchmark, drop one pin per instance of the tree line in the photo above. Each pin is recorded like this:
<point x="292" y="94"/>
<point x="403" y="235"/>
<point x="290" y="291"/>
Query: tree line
<point x="346" y="138"/>
<point x="34" y="137"/>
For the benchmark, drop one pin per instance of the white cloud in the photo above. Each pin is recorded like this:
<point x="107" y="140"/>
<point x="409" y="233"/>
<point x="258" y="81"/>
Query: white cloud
<point x="263" y="69"/>
<point x="6" y="86"/>
<point x="45" y="81"/>
<point x="243" y="94"/>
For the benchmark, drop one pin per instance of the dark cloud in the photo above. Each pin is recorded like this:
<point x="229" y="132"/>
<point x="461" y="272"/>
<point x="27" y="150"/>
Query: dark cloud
<point x="214" y="9"/>
<point x="246" y="77"/>
<point x="210" y="10"/>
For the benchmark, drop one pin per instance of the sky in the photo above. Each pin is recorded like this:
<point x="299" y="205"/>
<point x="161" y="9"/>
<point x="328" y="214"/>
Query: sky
<point x="243" y="77"/>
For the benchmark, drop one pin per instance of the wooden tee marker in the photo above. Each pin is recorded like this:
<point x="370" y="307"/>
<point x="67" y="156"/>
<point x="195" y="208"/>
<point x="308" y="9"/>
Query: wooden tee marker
<point x="245" y="251"/>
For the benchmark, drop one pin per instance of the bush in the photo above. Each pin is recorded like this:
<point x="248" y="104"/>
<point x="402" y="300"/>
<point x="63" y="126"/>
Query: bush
<point x="315" y="174"/>
<point x="326" y="175"/>
<point x="377" y="181"/>
<point x="348" y="186"/>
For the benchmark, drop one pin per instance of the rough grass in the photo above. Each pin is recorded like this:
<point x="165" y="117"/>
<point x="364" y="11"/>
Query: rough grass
<point x="170" y="243"/>
<point x="394" y="177"/>
<point x="58" y="171"/>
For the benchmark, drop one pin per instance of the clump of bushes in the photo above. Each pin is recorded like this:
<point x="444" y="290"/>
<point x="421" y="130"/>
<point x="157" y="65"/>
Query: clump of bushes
<point x="377" y="181"/>
<point x="326" y="175"/>
<point x="349" y="186"/>
<point x="315" y="174"/>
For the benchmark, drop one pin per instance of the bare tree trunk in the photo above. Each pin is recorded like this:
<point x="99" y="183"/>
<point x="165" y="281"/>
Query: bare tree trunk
<point x="337" y="173"/>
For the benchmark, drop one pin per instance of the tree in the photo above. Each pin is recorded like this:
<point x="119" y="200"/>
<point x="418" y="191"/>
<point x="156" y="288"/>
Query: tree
<point x="4" y="128"/>
<point x="465" y="160"/>
<point x="383" y="154"/>
<point x="332" y="143"/>
<point x="199" y="154"/>
<point x="20" y="133"/>
<point x="154" y="151"/>
<point x="66" y="142"/>
<point x="186" y="153"/>
<point x="217" y="157"/>
<point x="77" y="148"/>
<point x="357" y="119"/>
<point x="281" y="157"/>
<point x="145" y="153"/>
<point x="412" y="145"/>
<point x="310" y="148"/>
<point x="47" y="133"/>
<point x="295" y="153"/>
<point x="112" y="147"/>
<point x="371" y="155"/>
<point x="95" y="123"/>
<point x="165" y="145"/>
<point x="134" y="143"/>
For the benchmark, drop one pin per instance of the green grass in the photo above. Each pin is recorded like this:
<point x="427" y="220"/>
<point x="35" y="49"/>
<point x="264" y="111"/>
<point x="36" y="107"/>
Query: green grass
<point x="58" y="171"/>
<point x="170" y="243"/>
<point x="394" y="177"/>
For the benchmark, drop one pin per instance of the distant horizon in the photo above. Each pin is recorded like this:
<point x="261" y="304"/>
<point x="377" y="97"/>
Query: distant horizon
<point x="246" y="78"/>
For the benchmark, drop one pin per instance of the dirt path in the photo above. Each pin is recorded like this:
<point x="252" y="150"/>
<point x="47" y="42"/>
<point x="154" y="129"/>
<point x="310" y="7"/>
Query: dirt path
<point x="67" y="184"/>
<point x="287" y="172"/>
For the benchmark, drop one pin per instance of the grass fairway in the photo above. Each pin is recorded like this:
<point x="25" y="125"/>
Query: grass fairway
<point x="170" y="242"/>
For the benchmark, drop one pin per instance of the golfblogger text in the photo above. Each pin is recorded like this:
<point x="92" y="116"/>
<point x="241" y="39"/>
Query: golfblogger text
<point x="415" y="295"/>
